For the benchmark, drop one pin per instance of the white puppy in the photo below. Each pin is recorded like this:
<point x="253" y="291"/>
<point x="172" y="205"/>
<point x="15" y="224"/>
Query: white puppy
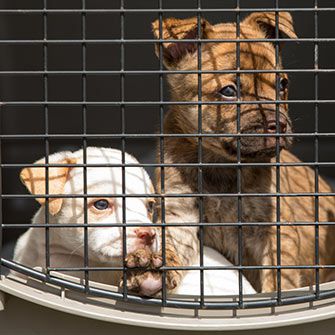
<point x="105" y="247"/>
<point x="104" y="243"/>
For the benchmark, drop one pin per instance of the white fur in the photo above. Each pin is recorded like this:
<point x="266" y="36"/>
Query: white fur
<point x="104" y="243"/>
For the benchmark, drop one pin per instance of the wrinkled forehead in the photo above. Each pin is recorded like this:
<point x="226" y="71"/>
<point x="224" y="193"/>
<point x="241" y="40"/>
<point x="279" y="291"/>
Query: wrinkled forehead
<point x="253" y="55"/>
<point x="109" y="179"/>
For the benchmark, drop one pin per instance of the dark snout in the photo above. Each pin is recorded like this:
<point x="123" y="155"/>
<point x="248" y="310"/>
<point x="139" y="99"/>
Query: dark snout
<point x="272" y="125"/>
<point x="264" y="123"/>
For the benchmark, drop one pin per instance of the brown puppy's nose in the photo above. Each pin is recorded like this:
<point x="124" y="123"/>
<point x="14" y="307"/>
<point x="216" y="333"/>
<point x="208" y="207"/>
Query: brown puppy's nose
<point x="271" y="126"/>
<point x="146" y="234"/>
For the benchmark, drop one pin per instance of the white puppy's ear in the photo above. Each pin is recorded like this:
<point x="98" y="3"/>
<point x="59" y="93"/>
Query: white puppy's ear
<point x="34" y="178"/>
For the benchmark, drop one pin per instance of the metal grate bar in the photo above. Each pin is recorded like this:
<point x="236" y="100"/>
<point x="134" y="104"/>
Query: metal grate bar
<point x="84" y="117"/>
<point x="155" y="103"/>
<point x="239" y="168"/>
<point x="123" y="148"/>
<point x="46" y="139"/>
<point x="168" y="195"/>
<point x="313" y="164"/>
<point x="232" y="267"/>
<point x="161" y="151"/>
<point x="150" y="41"/>
<point x="144" y="72"/>
<point x="170" y="224"/>
<point x="1" y="186"/>
<point x="316" y="150"/>
<point x="200" y="154"/>
<point x="109" y="136"/>
<point x="278" y="131"/>
<point x="167" y="10"/>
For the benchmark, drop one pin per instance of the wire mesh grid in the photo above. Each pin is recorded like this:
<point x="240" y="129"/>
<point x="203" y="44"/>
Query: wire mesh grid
<point x="163" y="195"/>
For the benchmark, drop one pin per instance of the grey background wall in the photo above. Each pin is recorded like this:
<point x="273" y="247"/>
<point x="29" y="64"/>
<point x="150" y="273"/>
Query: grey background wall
<point x="68" y="119"/>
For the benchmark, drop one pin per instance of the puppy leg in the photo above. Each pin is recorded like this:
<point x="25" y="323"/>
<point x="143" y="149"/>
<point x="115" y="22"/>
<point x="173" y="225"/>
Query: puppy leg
<point x="268" y="276"/>
<point x="290" y="254"/>
<point x="181" y="245"/>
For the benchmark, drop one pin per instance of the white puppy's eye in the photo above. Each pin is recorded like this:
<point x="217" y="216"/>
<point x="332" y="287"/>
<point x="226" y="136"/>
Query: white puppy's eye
<point x="101" y="204"/>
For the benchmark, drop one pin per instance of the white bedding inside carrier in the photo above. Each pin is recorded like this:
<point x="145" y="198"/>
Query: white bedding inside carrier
<point x="216" y="282"/>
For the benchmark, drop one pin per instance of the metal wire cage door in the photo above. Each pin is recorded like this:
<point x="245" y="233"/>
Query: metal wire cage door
<point x="85" y="74"/>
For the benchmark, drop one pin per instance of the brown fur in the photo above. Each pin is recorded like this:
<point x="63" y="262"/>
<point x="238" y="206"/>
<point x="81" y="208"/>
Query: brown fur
<point x="259" y="243"/>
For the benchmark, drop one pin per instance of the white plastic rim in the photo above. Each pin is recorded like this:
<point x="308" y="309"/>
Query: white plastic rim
<point x="165" y="318"/>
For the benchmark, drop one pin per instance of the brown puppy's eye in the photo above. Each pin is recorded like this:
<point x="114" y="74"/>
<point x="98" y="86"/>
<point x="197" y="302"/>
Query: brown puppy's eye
<point x="101" y="204"/>
<point x="151" y="206"/>
<point x="283" y="85"/>
<point x="228" y="92"/>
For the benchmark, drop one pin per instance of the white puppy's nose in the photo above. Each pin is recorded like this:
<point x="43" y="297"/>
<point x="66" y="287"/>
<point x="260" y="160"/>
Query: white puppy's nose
<point x="146" y="234"/>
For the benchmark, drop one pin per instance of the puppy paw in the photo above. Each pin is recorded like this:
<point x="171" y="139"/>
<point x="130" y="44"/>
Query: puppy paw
<point x="150" y="282"/>
<point x="172" y="280"/>
<point x="143" y="258"/>
<point x="145" y="283"/>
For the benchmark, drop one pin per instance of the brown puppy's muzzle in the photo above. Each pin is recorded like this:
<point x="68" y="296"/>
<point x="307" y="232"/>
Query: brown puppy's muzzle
<point x="265" y="145"/>
<point x="272" y="125"/>
<point x="259" y="146"/>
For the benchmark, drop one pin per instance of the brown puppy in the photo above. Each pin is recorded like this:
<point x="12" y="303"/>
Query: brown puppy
<point x="259" y="243"/>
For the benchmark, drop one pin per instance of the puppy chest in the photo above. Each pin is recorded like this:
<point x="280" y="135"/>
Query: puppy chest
<point x="227" y="209"/>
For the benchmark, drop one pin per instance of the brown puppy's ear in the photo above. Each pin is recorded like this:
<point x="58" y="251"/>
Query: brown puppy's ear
<point x="267" y="23"/>
<point x="178" y="29"/>
<point x="34" y="179"/>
